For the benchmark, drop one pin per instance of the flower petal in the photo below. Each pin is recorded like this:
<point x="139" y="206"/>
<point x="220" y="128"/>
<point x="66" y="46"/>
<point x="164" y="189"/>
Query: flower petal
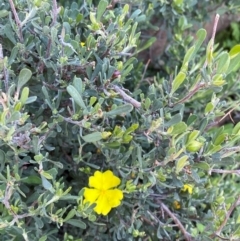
<point x="103" y="206"/>
<point x="114" y="197"/>
<point x="91" y="195"/>
<point x="104" y="181"/>
<point x="109" y="180"/>
<point x="96" y="180"/>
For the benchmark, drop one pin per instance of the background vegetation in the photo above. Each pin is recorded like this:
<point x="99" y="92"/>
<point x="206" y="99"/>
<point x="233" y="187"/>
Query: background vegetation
<point x="136" y="87"/>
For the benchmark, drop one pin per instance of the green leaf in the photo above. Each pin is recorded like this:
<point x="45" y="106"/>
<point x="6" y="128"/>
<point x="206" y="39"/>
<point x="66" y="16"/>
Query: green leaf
<point x="70" y="215"/>
<point x="223" y="63"/>
<point x="174" y="120"/>
<point x="76" y="96"/>
<point x="147" y="44"/>
<point x="101" y="9"/>
<point x="43" y="238"/>
<point x="23" y="78"/>
<point x="4" y="13"/>
<point x="201" y="35"/>
<point x="120" y="110"/>
<point x="93" y="137"/>
<point x="33" y="180"/>
<point x="209" y="52"/>
<point x="77" y="223"/>
<point x="188" y="55"/>
<point x="78" y="84"/>
<point x="220" y="139"/>
<point x="24" y="95"/>
<point x="13" y="55"/>
<point x="234" y="51"/>
<point x="202" y="165"/>
<point x="193" y="135"/>
<point x="178" y="80"/>
<point x="178" y="128"/>
<point x="234" y="64"/>
<point x="181" y="163"/>
<point x="209" y="107"/>
<point x="46" y="184"/>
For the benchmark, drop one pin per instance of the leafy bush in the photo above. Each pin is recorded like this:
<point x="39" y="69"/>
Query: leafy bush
<point x="83" y="158"/>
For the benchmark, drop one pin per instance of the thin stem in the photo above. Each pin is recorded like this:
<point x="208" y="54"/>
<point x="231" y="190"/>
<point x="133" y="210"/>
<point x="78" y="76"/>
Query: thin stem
<point x="18" y="22"/>
<point x="55" y="12"/>
<point x="228" y="214"/>
<point x="191" y="93"/>
<point x="126" y="97"/>
<point x="176" y="221"/>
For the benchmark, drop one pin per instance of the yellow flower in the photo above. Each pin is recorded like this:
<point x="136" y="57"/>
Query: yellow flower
<point x="187" y="187"/>
<point x="82" y="44"/>
<point x="176" y="204"/>
<point x="103" y="192"/>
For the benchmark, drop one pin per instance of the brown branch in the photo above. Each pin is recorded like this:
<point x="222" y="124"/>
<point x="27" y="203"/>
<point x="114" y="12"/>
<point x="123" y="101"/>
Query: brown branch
<point x="18" y="22"/>
<point x="191" y="93"/>
<point x="228" y="214"/>
<point x="187" y="235"/>
<point x="126" y="97"/>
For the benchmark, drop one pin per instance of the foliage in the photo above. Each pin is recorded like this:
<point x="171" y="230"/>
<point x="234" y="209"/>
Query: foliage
<point x="65" y="114"/>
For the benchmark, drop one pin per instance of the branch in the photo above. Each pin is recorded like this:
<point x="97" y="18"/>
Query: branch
<point x="176" y="221"/>
<point x="18" y="22"/>
<point x="55" y="13"/>
<point x="191" y="93"/>
<point x="237" y="172"/>
<point x="234" y="205"/>
<point x="126" y="97"/>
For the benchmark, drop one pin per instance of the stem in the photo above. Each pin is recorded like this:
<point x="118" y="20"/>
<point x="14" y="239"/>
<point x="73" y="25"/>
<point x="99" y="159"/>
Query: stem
<point x="228" y="214"/>
<point x="191" y="93"/>
<point x="18" y="22"/>
<point x="213" y="36"/>
<point x="126" y="97"/>
<point x="176" y="221"/>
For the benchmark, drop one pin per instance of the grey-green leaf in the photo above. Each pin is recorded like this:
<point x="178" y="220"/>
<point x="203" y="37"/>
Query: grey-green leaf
<point x="23" y="78"/>
<point x="93" y="137"/>
<point x="76" y="96"/>
<point x="101" y="9"/>
<point x="120" y="110"/>
<point x="77" y="223"/>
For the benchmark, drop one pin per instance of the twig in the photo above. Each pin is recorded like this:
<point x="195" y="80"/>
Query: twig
<point x="55" y="12"/>
<point x="215" y="123"/>
<point x="5" y="70"/>
<point x="224" y="171"/>
<point x="18" y="22"/>
<point x="176" y="221"/>
<point x="143" y="75"/>
<point x="191" y="93"/>
<point x="213" y="37"/>
<point x="234" y="205"/>
<point x="126" y="97"/>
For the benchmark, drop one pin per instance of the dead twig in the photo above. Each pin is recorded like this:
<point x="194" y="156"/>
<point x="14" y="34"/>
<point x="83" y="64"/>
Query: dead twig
<point x="126" y="97"/>
<point x="186" y="235"/>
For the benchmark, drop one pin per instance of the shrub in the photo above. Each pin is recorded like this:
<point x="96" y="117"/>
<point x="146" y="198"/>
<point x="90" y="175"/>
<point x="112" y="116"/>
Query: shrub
<point x="89" y="152"/>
